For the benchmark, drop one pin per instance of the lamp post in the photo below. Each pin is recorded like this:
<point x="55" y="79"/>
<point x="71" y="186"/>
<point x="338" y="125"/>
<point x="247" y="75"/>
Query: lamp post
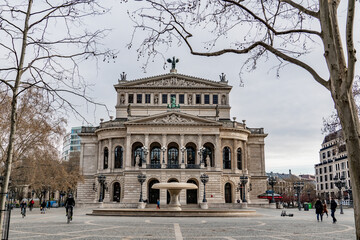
<point x="101" y="179"/>
<point x="163" y="149"/>
<point x="298" y="186"/>
<point x="340" y="183"/>
<point x="141" y="178"/>
<point x="244" y="179"/>
<point x="272" y="181"/>
<point x="182" y="149"/>
<point x="204" y="179"/>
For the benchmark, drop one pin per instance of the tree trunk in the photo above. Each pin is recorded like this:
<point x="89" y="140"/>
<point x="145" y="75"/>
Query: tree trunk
<point x="349" y="119"/>
<point x="13" y="119"/>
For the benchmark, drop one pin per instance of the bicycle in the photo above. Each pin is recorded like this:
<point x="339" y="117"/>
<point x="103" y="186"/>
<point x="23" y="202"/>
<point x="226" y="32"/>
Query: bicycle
<point x="23" y="212"/>
<point x="69" y="214"/>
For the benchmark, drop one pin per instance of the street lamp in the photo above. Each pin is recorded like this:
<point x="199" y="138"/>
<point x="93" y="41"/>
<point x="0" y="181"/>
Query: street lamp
<point x="163" y="149"/>
<point x="101" y="179"/>
<point x="182" y="149"/>
<point x="349" y="191"/>
<point x="244" y="179"/>
<point x="272" y="181"/>
<point x="141" y="178"/>
<point x="204" y="179"/>
<point x="340" y="183"/>
<point x="298" y="186"/>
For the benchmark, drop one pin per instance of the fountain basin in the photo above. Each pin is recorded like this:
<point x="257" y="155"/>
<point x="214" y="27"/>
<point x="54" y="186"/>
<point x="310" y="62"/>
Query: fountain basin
<point x="174" y="189"/>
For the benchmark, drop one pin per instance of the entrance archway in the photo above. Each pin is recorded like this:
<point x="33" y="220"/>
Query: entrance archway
<point x="116" y="192"/>
<point x="228" y="197"/>
<point x="167" y="192"/>
<point x="153" y="194"/>
<point x="192" y="194"/>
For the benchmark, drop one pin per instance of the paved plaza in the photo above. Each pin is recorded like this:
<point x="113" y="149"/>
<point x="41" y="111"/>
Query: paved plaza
<point x="268" y="224"/>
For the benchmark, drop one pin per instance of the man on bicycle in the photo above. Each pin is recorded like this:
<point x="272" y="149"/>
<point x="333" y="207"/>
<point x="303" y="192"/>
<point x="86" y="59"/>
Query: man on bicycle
<point x="23" y="208"/>
<point x="69" y="203"/>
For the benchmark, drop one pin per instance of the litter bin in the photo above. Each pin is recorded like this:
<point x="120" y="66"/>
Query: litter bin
<point x="306" y="207"/>
<point x="310" y="206"/>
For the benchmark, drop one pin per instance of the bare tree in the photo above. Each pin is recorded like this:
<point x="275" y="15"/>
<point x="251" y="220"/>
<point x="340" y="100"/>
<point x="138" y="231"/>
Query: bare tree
<point x="42" y="44"/>
<point x="284" y="28"/>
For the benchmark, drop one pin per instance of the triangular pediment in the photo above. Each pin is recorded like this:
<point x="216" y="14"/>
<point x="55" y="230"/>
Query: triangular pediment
<point x="172" y="118"/>
<point x="172" y="80"/>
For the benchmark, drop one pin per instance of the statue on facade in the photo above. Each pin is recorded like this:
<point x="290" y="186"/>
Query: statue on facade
<point x="207" y="160"/>
<point x="190" y="99"/>
<point x="129" y="110"/>
<point x="173" y="103"/>
<point x="137" y="160"/>
<point x="223" y="100"/>
<point x="122" y="99"/>
<point x="156" y="99"/>
<point x="217" y="110"/>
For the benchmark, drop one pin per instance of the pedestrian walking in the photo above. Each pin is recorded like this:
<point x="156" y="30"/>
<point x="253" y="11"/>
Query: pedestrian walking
<point x="319" y="209"/>
<point x="325" y="211"/>
<point x="333" y="206"/>
<point x="43" y="207"/>
<point x="158" y="204"/>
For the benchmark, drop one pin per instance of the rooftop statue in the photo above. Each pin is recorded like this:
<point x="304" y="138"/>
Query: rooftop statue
<point x="173" y="62"/>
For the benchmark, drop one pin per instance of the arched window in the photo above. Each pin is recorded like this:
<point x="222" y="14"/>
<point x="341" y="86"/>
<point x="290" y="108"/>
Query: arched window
<point x="116" y="192"/>
<point x="106" y="158"/>
<point x="227" y="158"/>
<point x="190" y="155"/>
<point x="239" y="159"/>
<point x="118" y="157"/>
<point x="173" y="156"/>
<point x="155" y="156"/>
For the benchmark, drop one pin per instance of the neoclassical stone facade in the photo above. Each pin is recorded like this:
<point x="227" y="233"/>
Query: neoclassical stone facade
<point x="172" y="128"/>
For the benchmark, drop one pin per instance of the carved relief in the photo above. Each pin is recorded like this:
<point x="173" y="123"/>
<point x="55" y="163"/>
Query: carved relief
<point x="173" y="82"/>
<point x="173" y="118"/>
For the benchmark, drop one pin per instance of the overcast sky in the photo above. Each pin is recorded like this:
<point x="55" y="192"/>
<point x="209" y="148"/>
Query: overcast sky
<point x="289" y="108"/>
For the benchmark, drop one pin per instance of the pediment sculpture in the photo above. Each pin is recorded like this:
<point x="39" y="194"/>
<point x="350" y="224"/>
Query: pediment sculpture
<point x="173" y="118"/>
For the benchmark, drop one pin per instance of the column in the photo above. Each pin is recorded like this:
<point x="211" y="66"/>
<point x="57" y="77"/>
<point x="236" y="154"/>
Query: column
<point x="111" y="156"/>
<point x="198" y="158"/>
<point x="234" y="156"/>
<point x="164" y="154"/>
<point x="218" y="153"/>
<point x="100" y="163"/>
<point x="146" y="144"/>
<point x="128" y="151"/>
<point x="182" y="140"/>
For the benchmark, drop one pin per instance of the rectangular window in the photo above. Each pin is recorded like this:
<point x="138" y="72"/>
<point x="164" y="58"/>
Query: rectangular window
<point x="328" y="153"/>
<point x="131" y="98"/>
<point x="321" y="179"/>
<point x="164" y="98"/>
<point x="316" y="171"/>
<point x="181" y="99"/>
<point x="326" y="186"/>
<point x="325" y="178"/>
<point x="139" y="98"/>
<point x="147" y="98"/>
<point x="342" y="165"/>
<point x="317" y="179"/>
<point x="331" y="185"/>
<point x="324" y="169"/>
<point x="330" y="176"/>
<point x="330" y="169"/>
<point x="348" y="174"/>
<point x="322" y="187"/>
<point x="206" y="99"/>
<point x="198" y="99"/>
<point x="215" y="99"/>
<point x="323" y="155"/>
<point x="320" y="170"/>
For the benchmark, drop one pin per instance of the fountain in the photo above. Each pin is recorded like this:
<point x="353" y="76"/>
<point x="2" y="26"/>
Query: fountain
<point x="174" y="189"/>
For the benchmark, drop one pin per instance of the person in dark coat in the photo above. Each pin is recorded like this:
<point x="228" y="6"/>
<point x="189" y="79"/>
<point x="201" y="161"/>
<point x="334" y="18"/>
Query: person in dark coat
<point x="333" y="206"/>
<point x="319" y="209"/>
